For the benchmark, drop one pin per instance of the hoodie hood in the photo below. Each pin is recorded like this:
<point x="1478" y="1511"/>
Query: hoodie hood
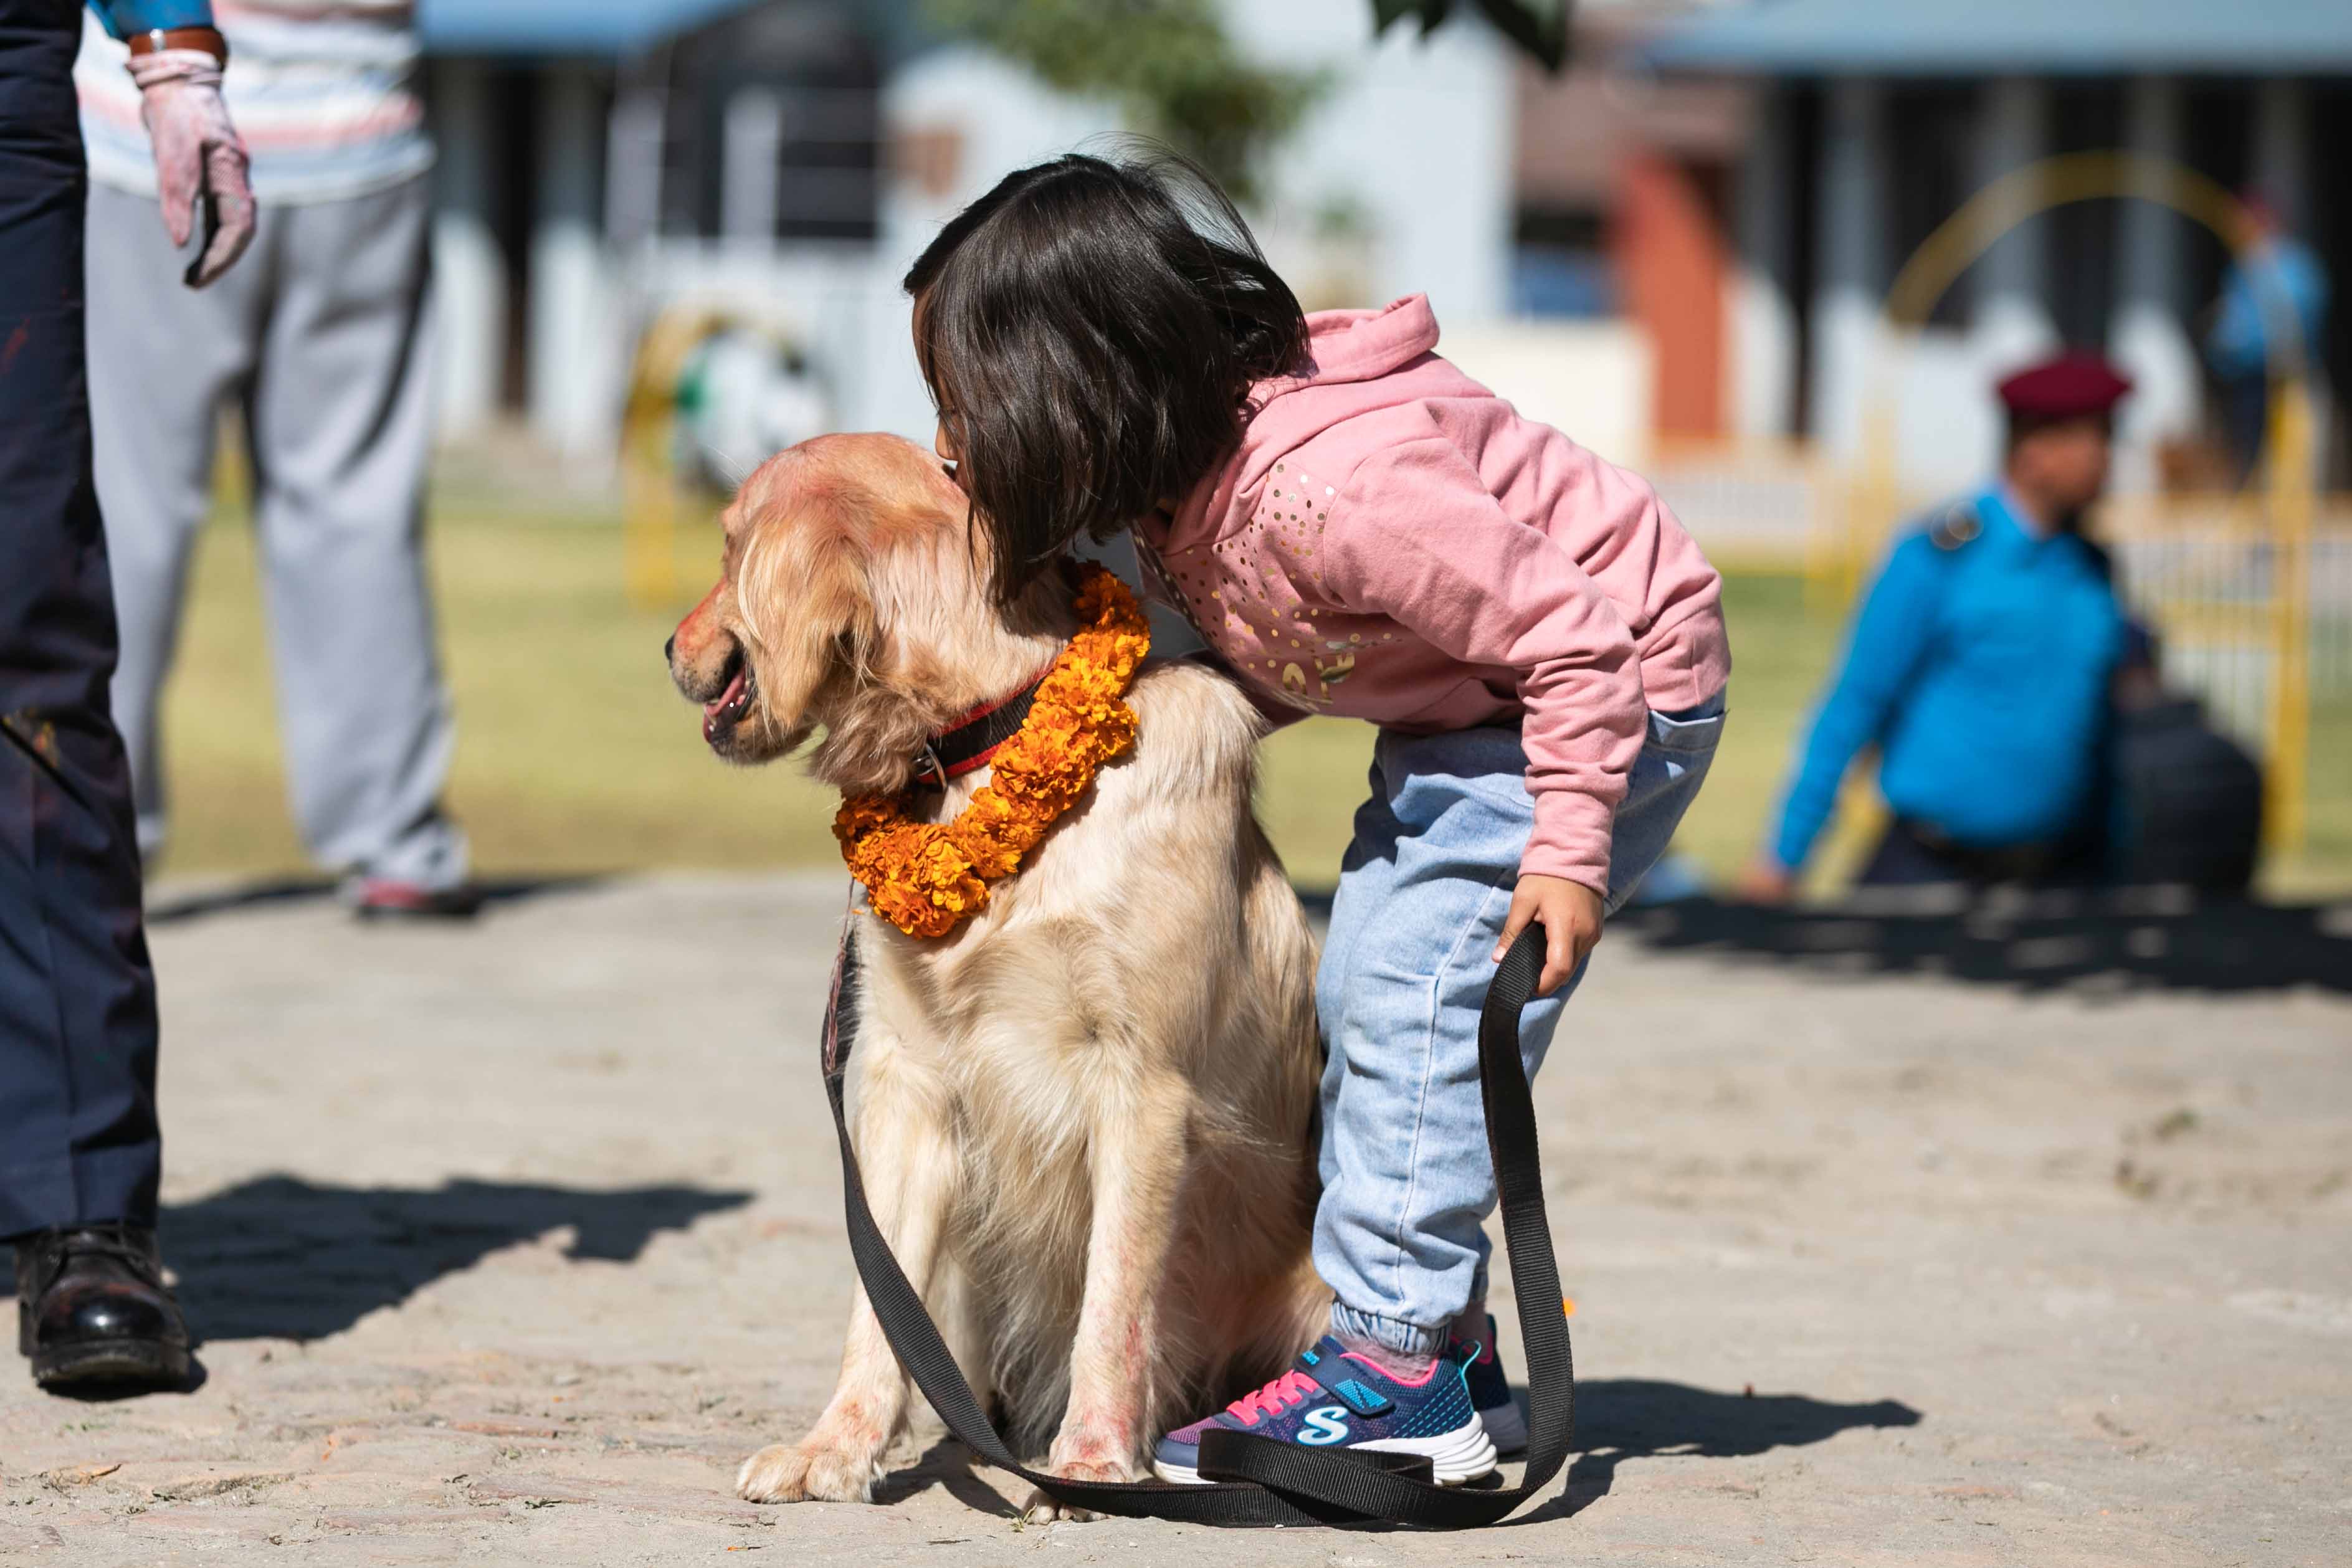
<point x="1361" y="361"/>
<point x="1357" y="345"/>
<point x="1391" y="541"/>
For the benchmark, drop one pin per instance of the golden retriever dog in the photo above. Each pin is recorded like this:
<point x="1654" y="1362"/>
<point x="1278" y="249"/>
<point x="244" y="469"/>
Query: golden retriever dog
<point x="1088" y="1107"/>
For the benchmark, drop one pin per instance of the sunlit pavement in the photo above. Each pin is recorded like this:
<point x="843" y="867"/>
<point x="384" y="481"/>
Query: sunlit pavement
<point x="507" y="1243"/>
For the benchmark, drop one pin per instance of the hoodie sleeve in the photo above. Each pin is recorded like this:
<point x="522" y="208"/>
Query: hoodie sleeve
<point x="1419" y="538"/>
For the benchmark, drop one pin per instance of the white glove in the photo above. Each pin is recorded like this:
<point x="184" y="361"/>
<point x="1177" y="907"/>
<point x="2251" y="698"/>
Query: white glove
<point x="197" y="152"/>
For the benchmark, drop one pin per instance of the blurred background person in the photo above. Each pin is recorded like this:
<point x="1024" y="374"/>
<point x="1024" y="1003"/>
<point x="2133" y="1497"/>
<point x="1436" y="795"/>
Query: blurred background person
<point x="321" y="344"/>
<point x="81" y="1153"/>
<point x="1981" y="667"/>
<point x="2269" y="323"/>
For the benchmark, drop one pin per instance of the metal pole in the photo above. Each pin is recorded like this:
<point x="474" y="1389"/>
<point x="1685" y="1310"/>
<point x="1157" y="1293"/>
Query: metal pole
<point x="2291" y="505"/>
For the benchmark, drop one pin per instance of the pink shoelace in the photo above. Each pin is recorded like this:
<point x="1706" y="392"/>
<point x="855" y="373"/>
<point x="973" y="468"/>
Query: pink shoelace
<point x="1291" y="1388"/>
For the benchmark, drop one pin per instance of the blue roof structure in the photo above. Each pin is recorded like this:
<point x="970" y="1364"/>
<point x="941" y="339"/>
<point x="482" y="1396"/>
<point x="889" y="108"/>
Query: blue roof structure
<point x="2025" y="37"/>
<point x="602" y="28"/>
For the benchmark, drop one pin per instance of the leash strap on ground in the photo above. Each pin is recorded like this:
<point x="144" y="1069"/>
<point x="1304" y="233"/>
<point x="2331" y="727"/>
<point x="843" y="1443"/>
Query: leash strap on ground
<point x="1258" y="1481"/>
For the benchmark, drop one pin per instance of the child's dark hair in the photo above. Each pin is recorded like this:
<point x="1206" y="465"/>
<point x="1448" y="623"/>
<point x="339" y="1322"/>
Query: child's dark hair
<point x="1090" y="330"/>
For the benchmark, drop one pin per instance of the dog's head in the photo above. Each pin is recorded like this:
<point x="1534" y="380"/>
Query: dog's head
<point x="849" y="600"/>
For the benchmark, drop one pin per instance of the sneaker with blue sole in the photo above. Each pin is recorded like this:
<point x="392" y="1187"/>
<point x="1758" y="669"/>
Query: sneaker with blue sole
<point x="1334" y="1398"/>
<point x="1490" y="1391"/>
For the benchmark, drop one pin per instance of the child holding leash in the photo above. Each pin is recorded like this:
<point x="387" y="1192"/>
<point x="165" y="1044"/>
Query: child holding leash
<point x="1354" y="528"/>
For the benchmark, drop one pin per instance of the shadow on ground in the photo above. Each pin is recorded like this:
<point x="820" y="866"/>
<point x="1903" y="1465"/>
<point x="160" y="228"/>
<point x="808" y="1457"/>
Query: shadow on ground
<point x="298" y="890"/>
<point x="2123" y="941"/>
<point x="950" y="1466"/>
<point x="1622" y="1419"/>
<point x="284" y="1258"/>
<point x="2127" y="939"/>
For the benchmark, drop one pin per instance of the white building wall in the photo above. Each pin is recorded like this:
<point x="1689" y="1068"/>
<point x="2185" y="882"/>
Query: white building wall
<point x="751" y="140"/>
<point x="1414" y="132"/>
<point x="469" y="273"/>
<point x="1002" y="118"/>
<point x="1947" y="424"/>
<point x="1592" y="379"/>
<point x="577" y="357"/>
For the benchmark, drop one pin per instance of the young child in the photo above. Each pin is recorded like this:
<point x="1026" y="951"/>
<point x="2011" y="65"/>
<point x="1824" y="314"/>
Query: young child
<point x="1354" y="528"/>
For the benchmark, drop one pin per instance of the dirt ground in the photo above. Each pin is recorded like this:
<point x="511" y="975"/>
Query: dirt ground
<point x="1963" y="1238"/>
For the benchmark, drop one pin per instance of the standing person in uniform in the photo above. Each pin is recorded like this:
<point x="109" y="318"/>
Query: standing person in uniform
<point x="2268" y="326"/>
<point x="79" y="1150"/>
<point x="1980" y="667"/>
<point x="322" y="344"/>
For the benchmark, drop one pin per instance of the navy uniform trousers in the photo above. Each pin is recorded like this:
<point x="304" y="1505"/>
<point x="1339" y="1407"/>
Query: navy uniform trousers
<point x="78" y="1141"/>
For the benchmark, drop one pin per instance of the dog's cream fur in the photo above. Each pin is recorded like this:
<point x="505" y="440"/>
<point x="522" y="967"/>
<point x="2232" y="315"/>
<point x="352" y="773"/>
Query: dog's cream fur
<point x="1088" y="1105"/>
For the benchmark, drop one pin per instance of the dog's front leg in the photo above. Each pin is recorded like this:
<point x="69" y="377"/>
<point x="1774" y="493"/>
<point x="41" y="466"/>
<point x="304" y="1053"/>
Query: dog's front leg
<point x="1136" y="1157"/>
<point x="905" y="1146"/>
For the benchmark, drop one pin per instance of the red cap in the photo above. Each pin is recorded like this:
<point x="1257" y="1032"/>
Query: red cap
<point x="2070" y="386"/>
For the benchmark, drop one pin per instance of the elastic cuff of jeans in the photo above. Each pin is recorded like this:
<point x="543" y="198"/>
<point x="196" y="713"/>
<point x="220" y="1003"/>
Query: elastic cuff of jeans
<point x="1391" y="1333"/>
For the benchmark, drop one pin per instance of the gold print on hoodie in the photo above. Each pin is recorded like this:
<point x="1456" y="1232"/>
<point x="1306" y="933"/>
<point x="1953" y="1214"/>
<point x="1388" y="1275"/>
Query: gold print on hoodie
<point x="1302" y="652"/>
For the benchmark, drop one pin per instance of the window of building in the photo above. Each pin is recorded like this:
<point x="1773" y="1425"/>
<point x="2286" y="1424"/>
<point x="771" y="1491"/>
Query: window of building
<point x="1560" y="265"/>
<point x="2084" y="117"/>
<point x="1931" y="130"/>
<point x="774" y="128"/>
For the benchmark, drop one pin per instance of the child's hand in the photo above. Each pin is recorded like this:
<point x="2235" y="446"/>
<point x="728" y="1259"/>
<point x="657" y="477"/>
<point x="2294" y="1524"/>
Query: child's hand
<point x="1767" y="881"/>
<point x="1571" y="916"/>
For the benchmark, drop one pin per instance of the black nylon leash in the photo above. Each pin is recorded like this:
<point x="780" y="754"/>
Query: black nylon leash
<point x="1259" y="1481"/>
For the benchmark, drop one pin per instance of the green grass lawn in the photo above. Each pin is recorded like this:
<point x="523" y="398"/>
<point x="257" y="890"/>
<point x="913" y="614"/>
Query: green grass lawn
<point x="575" y="755"/>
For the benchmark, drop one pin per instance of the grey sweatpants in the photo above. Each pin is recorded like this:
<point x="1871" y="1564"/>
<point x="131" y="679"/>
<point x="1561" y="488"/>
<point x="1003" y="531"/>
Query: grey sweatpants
<point x="320" y="335"/>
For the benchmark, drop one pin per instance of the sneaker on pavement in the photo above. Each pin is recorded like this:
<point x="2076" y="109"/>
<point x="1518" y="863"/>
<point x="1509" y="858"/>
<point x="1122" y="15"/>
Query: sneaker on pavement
<point x="382" y="898"/>
<point x="1490" y="1391"/>
<point x="1333" y="1398"/>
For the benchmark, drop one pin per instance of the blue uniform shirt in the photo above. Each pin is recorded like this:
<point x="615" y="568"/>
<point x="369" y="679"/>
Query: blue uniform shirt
<point x="1980" y="667"/>
<point x="2278" y="285"/>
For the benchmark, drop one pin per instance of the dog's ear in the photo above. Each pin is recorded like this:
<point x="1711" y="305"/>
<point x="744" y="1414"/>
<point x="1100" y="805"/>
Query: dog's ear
<point x="921" y="603"/>
<point x="805" y="610"/>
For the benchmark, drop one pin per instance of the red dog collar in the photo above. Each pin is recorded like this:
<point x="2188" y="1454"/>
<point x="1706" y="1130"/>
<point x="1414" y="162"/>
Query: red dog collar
<point x="972" y="740"/>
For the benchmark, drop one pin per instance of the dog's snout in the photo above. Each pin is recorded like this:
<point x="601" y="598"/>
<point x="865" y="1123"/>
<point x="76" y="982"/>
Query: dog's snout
<point x="669" y="650"/>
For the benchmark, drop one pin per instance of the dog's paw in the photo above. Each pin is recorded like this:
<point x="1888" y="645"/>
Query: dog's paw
<point x="1042" y="1510"/>
<point x="809" y="1471"/>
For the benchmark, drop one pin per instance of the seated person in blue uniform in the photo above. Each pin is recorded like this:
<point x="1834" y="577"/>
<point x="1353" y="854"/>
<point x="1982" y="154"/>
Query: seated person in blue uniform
<point x="1980" y="668"/>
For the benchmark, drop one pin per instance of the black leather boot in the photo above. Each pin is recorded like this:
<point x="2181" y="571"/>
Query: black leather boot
<point x="91" y="1308"/>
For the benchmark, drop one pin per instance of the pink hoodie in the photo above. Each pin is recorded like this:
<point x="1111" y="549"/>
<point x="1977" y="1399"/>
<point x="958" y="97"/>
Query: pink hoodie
<point x="1393" y="542"/>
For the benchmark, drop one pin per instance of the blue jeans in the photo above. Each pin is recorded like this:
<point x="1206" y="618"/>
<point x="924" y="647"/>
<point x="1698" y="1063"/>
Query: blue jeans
<point x="1407" y="1181"/>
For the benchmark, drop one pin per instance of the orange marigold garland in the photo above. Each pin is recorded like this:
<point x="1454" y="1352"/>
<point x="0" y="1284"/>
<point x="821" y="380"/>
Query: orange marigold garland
<point x="925" y="877"/>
